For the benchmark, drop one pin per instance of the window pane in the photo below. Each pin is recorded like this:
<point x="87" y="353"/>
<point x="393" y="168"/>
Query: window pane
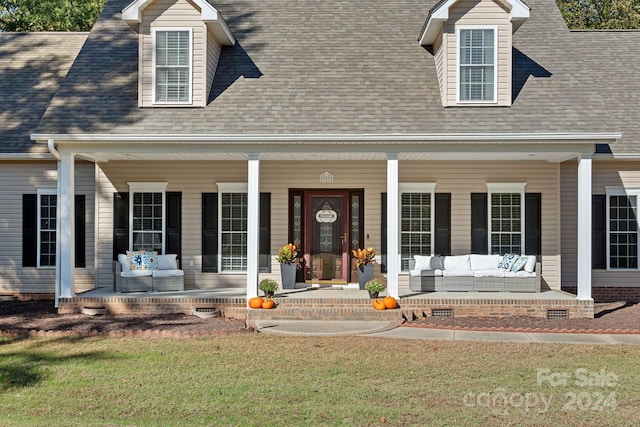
<point x="47" y="230"/>
<point x="234" y="231"/>
<point x="415" y="226"/>
<point x="623" y="232"/>
<point x="506" y="231"/>
<point x="147" y="221"/>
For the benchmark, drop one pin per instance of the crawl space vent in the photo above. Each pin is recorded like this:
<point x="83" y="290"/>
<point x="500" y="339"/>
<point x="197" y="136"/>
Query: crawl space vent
<point x="442" y="312"/>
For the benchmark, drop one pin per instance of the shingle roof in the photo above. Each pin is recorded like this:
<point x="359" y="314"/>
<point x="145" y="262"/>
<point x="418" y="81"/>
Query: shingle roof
<point x="32" y="65"/>
<point x="355" y="67"/>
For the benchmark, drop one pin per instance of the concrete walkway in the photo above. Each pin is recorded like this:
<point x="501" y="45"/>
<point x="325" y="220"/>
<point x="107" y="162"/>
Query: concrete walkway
<point x="390" y="330"/>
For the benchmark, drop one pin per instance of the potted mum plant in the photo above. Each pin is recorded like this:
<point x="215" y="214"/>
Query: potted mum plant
<point x="374" y="286"/>
<point x="268" y="286"/>
<point x="288" y="259"/>
<point x="365" y="258"/>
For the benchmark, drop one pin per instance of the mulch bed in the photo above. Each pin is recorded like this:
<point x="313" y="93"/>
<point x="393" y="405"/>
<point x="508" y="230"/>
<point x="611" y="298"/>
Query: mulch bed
<point x="40" y="318"/>
<point x="609" y="318"/>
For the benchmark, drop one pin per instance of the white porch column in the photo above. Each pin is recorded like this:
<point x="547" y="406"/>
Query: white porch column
<point x="253" y="224"/>
<point x="393" y="253"/>
<point x="584" y="227"/>
<point x="65" y="236"/>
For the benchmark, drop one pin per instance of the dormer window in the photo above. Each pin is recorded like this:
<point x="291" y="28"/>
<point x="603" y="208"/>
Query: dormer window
<point x="477" y="64"/>
<point x="172" y="66"/>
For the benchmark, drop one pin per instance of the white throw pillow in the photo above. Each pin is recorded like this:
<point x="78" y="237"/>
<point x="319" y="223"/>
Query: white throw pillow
<point x="167" y="262"/>
<point x="485" y="262"/>
<point x="125" y="262"/>
<point x="507" y="262"/>
<point x="531" y="264"/>
<point x="422" y="262"/>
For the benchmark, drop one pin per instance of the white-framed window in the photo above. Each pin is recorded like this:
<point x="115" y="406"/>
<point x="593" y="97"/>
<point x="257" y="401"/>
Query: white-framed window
<point x="232" y="205"/>
<point x="506" y="218"/>
<point x="147" y="201"/>
<point x="477" y="64"/>
<point x="622" y="228"/>
<point x="172" y="65"/>
<point x="47" y="223"/>
<point x="417" y="212"/>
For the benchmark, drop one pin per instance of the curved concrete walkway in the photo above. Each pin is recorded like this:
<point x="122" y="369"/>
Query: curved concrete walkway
<point x="391" y="330"/>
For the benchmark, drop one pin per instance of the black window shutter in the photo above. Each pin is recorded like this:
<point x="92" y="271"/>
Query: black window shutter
<point x="442" y="242"/>
<point x="80" y="233"/>
<point x="479" y="224"/>
<point x="209" y="232"/>
<point x="533" y="224"/>
<point x="120" y="224"/>
<point x="173" y="224"/>
<point x="383" y="233"/>
<point x="265" y="233"/>
<point x="29" y="230"/>
<point x="599" y="232"/>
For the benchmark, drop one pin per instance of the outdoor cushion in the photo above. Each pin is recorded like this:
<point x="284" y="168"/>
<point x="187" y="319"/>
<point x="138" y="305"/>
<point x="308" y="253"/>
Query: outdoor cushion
<point x="485" y="262"/>
<point x="143" y="260"/>
<point x="167" y="262"/>
<point x="521" y="274"/>
<point x="426" y="273"/>
<point x="458" y="262"/>
<point x="168" y="273"/>
<point x="489" y="273"/>
<point x="531" y="264"/>
<point x="125" y="262"/>
<point x="424" y="262"/>
<point x="457" y="273"/>
<point x="136" y="273"/>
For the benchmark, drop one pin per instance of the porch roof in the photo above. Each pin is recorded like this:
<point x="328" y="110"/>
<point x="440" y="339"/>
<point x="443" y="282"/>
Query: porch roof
<point x="355" y="68"/>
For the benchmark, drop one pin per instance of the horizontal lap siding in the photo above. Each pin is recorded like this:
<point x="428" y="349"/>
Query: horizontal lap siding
<point x="174" y="14"/>
<point x="484" y="13"/>
<point x="605" y="173"/>
<point x="194" y="178"/>
<point x="213" y="55"/>
<point x="441" y="60"/>
<point x="16" y="179"/>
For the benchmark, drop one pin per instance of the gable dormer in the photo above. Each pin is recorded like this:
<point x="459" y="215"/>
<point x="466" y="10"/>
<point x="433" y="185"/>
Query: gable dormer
<point x="471" y="41"/>
<point x="179" y="47"/>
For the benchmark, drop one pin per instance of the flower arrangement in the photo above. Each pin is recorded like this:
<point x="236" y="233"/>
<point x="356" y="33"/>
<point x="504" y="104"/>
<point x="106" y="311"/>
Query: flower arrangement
<point x="287" y="254"/>
<point x="364" y="257"/>
<point x="268" y="286"/>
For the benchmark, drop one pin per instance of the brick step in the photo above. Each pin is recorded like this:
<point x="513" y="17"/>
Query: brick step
<point x="324" y="313"/>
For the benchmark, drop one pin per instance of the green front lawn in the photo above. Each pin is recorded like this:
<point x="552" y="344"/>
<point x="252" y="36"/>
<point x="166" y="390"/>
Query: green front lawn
<point x="269" y="380"/>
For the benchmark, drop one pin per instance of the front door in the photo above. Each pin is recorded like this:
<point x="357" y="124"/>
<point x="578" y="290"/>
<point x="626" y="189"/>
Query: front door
<point x="327" y="254"/>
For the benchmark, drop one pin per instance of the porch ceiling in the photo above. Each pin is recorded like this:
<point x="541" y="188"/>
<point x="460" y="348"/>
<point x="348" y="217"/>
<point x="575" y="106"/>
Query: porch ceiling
<point x="332" y="156"/>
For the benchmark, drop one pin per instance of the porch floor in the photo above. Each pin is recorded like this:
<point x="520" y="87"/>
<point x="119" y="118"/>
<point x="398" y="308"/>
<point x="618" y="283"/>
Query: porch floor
<point x="327" y="303"/>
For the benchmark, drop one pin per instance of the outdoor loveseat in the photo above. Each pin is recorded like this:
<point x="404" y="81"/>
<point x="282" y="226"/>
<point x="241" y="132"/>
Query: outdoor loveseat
<point x="140" y="271"/>
<point x="483" y="273"/>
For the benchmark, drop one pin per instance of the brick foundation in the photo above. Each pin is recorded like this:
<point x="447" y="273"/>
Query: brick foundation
<point x="611" y="294"/>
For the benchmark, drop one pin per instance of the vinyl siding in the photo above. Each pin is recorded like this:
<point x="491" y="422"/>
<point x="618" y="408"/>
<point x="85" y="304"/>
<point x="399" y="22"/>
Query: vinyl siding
<point x="479" y="13"/>
<point x="194" y="178"/>
<point x="605" y="173"/>
<point x="440" y="60"/>
<point x="16" y="179"/>
<point x="213" y="55"/>
<point x="173" y="14"/>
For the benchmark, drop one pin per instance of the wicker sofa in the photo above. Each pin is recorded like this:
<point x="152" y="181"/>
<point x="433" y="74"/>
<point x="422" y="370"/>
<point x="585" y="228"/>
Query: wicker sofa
<point x="479" y="273"/>
<point x="166" y="277"/>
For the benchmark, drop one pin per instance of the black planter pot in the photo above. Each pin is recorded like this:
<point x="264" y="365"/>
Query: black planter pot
<point x="373" y="295"/>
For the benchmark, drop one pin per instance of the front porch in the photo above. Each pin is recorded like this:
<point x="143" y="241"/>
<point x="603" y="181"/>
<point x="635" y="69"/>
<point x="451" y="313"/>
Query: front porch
<point x="335" y="304"/>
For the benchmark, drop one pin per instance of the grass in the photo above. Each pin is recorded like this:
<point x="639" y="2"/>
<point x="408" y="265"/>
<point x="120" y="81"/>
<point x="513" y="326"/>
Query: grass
<point x="267" y="380"/>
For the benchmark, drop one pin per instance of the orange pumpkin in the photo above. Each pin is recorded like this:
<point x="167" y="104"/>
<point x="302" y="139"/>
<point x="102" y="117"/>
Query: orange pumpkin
<point x="268" y="304"/>
<point x="378" y="304"/>
<point x="255" y="302"/>
<point x="390" y="302"/>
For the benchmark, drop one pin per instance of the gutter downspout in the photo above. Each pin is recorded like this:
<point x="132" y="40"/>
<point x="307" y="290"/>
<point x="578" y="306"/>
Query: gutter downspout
<point x="52" y="149"/>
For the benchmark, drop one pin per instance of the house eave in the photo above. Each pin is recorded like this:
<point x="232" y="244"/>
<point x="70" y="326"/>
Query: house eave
<point x="132" y="15"/>
<point x="26" y="156"/>
<point x="519" y="13"/>
<point x="497" y="138"/>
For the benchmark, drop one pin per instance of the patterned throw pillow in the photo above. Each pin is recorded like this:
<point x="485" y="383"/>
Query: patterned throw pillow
<point x="519" y="264"/>
<point x="143" y="260"/>
<point x="507" y="262"/>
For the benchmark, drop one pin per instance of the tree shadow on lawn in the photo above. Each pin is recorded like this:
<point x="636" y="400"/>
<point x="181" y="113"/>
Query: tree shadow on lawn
<point x="27" y="367"/>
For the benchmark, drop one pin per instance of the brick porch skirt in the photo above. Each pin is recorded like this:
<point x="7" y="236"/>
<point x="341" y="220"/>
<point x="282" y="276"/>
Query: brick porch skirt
<point x="611" y="294"/>
<point x="486" y="304"/>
